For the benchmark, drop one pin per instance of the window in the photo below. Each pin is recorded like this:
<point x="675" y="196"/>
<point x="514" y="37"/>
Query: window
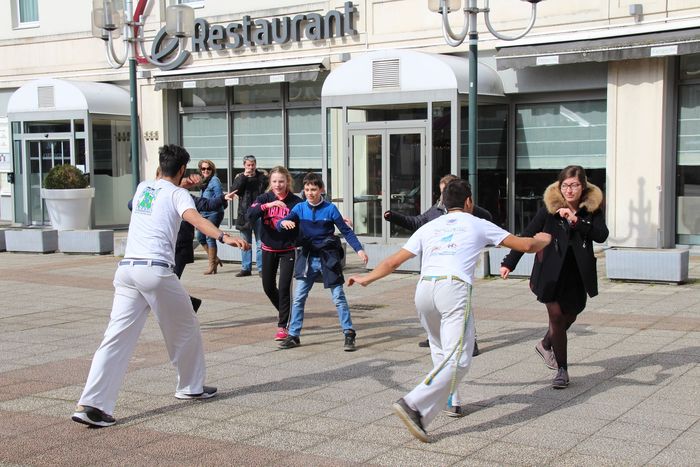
<point x="304" y="126"/>
<point x="550" y="136"/>
<point x="27" y="13"/>
<point x="491" y="162"/>
<point x="688" y="166"/>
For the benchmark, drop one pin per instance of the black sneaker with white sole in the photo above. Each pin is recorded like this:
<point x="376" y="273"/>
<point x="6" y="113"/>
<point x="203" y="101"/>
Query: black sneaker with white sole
<point x="290" y="342"/>
<point x="92" y="416"/>
<point x="411" y="418"/>
<point x="207" y="393"/>
<point x="349" y="345"/>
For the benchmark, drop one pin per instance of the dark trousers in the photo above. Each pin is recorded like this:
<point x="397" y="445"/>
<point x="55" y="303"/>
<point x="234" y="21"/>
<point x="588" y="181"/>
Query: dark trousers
<point x="280" y="295"/>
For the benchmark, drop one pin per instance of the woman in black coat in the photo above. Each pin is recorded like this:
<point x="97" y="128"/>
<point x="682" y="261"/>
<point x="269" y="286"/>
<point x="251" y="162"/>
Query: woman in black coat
<point x="565" y="271"/>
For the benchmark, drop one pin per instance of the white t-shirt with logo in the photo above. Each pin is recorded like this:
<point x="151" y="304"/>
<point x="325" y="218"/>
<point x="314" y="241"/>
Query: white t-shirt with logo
<point x="156" y="214"/>
<point x="451" y="244"/>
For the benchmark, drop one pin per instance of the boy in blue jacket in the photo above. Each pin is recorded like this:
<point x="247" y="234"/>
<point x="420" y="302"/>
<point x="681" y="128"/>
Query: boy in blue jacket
<point x="319" y="252"/>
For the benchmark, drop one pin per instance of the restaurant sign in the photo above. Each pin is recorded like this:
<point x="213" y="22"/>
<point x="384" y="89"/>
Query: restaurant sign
<point x="254" y="33"/>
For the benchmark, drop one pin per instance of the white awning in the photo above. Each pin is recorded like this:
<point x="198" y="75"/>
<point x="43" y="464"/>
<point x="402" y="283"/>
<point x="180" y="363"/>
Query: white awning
<point x="407" y="71"/>
<point x="243" y="73"/>
<point x="46" y="97"/>
<point x="605" y="49"/>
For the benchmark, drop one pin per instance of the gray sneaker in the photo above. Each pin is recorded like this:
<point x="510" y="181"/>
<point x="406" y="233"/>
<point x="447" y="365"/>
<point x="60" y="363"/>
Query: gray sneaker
<point x="411" y="418"/>
<point x="454" y="411"/>
<point x="547" y="355"/>
<point x="561" y="381"/>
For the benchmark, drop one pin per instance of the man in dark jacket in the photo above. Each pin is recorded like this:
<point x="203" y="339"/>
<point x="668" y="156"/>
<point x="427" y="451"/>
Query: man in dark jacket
<point x="413" y="223"/>
<point x="247" y="186"/>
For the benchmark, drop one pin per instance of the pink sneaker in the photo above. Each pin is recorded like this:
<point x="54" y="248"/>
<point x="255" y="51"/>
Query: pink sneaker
<point x="281" y="334"/>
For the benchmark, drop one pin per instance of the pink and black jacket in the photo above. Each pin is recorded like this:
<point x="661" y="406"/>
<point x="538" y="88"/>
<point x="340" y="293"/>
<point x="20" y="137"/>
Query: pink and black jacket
<point x="272" y="239"/>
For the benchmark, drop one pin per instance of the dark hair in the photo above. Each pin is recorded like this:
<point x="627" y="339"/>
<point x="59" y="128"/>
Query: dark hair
<point x="574" y="171"/>
<point x="456" y="193"/>
<point x="312" y="178"/>
<point x="171" y="158"/>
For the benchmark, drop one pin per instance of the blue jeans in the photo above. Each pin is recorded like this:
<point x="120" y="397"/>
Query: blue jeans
<point x="215" y="218"/>
<point x="247" y="255"/>
<point x="302" y="292"/>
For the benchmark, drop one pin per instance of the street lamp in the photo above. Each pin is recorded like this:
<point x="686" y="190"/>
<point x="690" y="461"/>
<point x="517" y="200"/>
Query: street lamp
<point x="111" y="18"/>
<point x="444" y="7"/>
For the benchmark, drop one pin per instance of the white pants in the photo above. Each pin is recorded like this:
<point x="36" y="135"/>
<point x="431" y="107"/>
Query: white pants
<point x="138" y="288"/>
<point x="442" y="306"/>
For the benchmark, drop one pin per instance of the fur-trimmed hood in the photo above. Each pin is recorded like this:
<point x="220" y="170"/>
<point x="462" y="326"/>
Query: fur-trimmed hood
<point x="592" y="199"/>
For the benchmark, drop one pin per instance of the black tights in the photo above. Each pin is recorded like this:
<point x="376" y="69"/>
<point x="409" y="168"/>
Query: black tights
<point x="559" y="323"/>
<point x="281" y="295"/>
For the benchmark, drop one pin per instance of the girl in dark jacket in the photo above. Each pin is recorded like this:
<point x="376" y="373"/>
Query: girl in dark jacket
<point x="565" y="271"/>
<point x="277" y="247"/>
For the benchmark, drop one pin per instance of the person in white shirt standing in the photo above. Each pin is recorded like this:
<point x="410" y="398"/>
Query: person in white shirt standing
<point x="145" y="279"/>
<point x="450" y="246"/>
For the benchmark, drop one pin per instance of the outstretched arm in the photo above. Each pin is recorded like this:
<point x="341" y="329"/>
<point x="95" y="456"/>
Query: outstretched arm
<point x="383" y="269"/>
<point x="210" y="230"/>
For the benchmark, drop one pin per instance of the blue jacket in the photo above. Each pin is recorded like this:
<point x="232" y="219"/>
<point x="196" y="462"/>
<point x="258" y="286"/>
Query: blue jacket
<point x="212" y="190"/>
<point x="317" y="238"/>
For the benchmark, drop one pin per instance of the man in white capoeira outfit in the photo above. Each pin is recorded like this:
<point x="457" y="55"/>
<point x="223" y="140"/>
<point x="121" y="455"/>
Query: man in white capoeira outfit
<point x="450" y="246"/>
<point x="145" y="279"/>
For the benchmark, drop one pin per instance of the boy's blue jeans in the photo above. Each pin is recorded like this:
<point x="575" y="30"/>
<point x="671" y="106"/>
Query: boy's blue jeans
<point x="301" y="292"/>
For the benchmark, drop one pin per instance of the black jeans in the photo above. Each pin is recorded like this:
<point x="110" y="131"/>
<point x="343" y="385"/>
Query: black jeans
<point x="280" y="296"/>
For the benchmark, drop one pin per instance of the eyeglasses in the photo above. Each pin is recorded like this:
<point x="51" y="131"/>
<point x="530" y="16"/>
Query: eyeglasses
<point x="572" y="187"/>
<point x="248" y="158"/>
<point x="205" y="169"/>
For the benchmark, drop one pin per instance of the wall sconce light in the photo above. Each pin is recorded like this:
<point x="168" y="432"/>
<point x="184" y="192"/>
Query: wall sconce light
<point x="637" y="11"/>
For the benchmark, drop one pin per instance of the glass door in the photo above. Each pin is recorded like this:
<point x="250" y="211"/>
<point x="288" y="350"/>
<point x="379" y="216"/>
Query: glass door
<point x="406" y="157"/>
<point x="367" y="183"/>
<point x="43" y="156"/>
<point x="386" y="174"/>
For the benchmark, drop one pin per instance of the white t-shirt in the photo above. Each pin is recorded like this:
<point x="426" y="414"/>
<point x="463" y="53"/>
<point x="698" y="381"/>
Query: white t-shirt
<point x="451" y="244"/>
<point x="156" y="214"/>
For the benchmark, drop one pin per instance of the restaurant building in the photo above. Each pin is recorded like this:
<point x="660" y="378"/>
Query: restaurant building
<point x="369" y="94"/>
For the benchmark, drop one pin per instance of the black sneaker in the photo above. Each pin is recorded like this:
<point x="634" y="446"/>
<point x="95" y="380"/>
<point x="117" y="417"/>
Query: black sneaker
<point x="561" y="381"/>
<point x="411" y="418"/>
<point x="349" y="345"/>
<point x="243" y="273"/>
<point x="425" y="343"/>
<point x="207" y="393"/>
<point x="196" y="303"/>
<point x="92" y="416"/>
<point x="476" y="349"/>
<point x="290" y="342"/>
<point x="454" y="411"/>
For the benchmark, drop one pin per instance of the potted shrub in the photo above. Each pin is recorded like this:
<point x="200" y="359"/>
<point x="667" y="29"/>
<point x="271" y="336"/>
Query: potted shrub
<point x="68" y="198"/>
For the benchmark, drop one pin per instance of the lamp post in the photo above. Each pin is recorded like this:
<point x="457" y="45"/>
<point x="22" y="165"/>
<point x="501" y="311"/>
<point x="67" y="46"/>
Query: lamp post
<point x="112" y="17"/>
<point x="471" y="10"/>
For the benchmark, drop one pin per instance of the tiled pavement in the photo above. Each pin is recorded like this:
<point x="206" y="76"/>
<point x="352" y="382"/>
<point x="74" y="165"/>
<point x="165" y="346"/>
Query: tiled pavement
<point x="634" y="397"/>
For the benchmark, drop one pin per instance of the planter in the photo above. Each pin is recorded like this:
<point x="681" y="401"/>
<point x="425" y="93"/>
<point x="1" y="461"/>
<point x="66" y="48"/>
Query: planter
<point x="69" y="209"/>
<point x="31" y="240"/>
<point x="523" y="269"/>
<point x="653" y="265"/>
<point x="86" y="241"/>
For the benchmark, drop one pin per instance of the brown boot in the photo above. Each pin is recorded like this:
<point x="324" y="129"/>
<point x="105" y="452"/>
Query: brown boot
<point x="213" y="261"/>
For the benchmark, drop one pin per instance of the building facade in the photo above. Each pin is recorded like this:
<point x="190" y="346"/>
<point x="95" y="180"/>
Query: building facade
<point x="369" y="94"/>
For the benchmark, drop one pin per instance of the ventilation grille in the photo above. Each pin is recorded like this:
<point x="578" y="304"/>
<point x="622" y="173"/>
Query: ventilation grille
<point x="385" y="74"/>
<point x="45" y="95"/>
